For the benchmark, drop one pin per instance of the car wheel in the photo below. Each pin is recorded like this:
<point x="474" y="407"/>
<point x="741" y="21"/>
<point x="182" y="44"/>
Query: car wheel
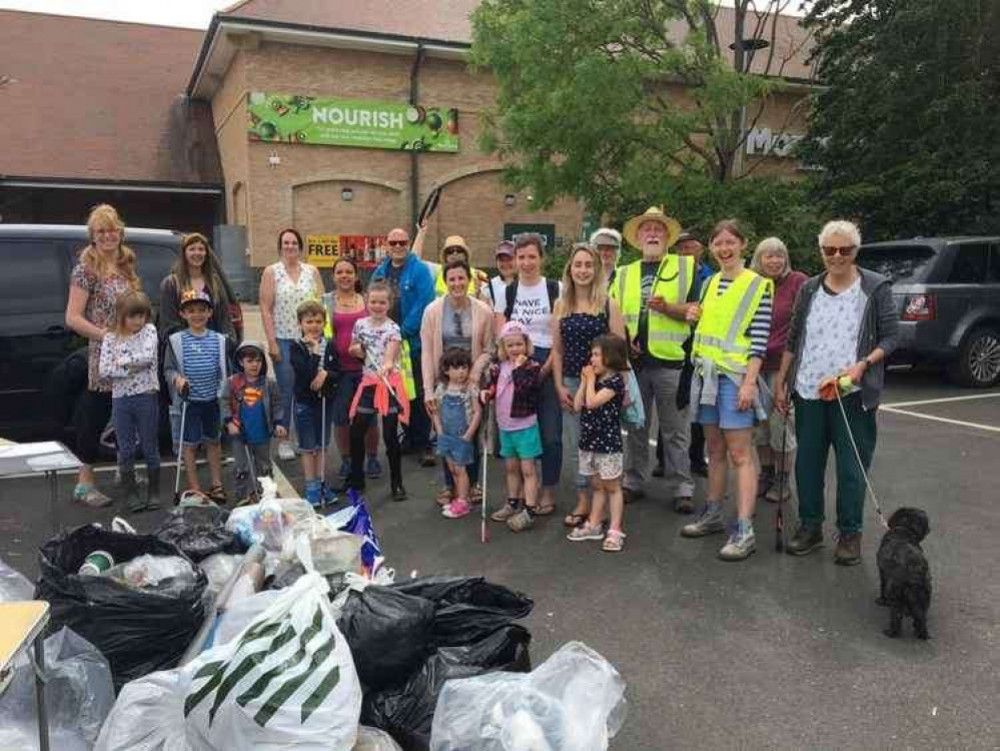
<point x="978" y="364"/>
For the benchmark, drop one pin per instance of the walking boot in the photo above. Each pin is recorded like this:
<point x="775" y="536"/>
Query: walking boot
<point x="765" y="479"/>
<point x="130" y="491"/>
<point x="804" y="541"/>
<point x="152" y="489"/>
<point x="848" y="550"/>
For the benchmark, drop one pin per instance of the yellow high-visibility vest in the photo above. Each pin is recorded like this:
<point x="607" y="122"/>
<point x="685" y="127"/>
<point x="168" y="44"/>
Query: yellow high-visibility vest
<point x="406" y="366"/>
<point x="674" y="277"/>
<point x="721" y="335"/>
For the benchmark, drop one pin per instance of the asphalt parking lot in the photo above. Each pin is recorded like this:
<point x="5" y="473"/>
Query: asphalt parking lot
<point x="774" y="653"/>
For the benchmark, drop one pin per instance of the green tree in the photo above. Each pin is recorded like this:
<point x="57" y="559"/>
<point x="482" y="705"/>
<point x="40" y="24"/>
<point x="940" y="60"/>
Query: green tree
<point x="906" y="129"/>
<point x="608" y="101"/>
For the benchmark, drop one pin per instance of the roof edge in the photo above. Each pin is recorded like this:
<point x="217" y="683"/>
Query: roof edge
<point x="73" y="183"/>
<point x="96" y="19"/>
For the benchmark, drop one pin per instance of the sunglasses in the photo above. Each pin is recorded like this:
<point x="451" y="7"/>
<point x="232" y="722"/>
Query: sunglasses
<point x="398" y="243"/>
<point x="831" y="250"/>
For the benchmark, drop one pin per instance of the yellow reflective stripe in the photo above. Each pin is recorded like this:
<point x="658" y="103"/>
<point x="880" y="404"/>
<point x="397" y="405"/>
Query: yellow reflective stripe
<point x="667" y="336"/>
<point x="622" y="273"/>
<point x="736" y="326"/>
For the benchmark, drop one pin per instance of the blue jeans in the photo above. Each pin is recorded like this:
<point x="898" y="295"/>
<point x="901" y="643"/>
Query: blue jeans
<point x="572" y="421"/>
<point x="285" y="376"/>
<point x="138" y="414"/>
<point x="550" y="425"/>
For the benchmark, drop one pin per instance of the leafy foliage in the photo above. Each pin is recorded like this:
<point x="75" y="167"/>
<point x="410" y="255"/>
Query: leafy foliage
<point x="907" y="129"/>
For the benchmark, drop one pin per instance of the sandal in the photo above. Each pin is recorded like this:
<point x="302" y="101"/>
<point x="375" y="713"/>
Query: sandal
<point x="443" y="497"/>
<point x="614" y="541"/>
<point x="476" y="494"/>
<point x="545" y="510"/>
<point x="217" y="494"/>
<point x="574" y="520"/>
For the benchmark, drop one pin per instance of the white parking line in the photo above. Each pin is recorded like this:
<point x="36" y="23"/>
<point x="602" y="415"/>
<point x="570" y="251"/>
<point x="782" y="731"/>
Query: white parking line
<point x="935" y="418"/>
<point x="944" y="400"/>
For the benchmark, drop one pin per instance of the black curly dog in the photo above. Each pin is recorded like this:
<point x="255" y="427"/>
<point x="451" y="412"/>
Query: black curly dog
<point x="903" y="571"/>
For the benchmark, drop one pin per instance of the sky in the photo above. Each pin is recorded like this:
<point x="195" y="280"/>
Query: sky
<point x="190" y="13"/>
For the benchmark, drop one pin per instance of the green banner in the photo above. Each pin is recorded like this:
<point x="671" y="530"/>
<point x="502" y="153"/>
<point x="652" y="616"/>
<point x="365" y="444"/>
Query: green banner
<point x="290" y="118"/>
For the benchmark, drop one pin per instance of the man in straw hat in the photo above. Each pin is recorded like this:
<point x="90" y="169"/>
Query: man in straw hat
<point x="658" y="295"/>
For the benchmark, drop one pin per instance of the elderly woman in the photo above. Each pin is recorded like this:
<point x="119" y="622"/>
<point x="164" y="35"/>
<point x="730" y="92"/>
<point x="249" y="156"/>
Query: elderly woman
<point x="583" y="313"/>
<point x="775" y="438"/>
<point x="455" y="320"/>
<point x="283" y="287"/>
<point x="730" y="344"/>
<point x="608" y="244"/>
<point x="105" y="270"/>
<point x="843" y="327"/>
<point x="196" y="268"/>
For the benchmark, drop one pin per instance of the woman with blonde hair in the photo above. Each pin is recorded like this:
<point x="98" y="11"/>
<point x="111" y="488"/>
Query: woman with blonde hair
<point x="105" y="270"/>
<point x="582" y="313"/>
<point x="775" y="439"/>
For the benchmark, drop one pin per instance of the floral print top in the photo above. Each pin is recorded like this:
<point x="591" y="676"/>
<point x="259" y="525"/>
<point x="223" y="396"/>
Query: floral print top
<point x="130" y="362"/>
<point x="100" y="311"/>
<point x="288" y="296"/>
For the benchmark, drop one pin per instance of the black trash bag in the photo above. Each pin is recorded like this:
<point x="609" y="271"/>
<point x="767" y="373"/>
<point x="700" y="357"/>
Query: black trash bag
<point x="407" y="712"/>
<point x="468" y="608"/>
<point x="389" y="633"/>
<point x="137" y="631"/>
<point x="199" y="531"/>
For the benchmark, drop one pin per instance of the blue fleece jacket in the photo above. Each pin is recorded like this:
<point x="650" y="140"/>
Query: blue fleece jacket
<point x="416" y="292"/>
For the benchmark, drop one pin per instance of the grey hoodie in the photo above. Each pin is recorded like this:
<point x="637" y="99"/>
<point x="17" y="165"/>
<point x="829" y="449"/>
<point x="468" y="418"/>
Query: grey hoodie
<point x="233" y="390"/>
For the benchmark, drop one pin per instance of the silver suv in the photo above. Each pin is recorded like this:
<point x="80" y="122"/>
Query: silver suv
<point x="947" y="290"/>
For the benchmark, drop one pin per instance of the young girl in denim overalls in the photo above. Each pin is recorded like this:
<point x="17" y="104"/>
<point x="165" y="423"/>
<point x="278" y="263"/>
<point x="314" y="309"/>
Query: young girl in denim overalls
<point x="456" y="421"/>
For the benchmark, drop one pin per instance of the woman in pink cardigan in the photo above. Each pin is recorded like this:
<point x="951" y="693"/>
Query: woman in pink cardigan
<point x="455" y="320"/>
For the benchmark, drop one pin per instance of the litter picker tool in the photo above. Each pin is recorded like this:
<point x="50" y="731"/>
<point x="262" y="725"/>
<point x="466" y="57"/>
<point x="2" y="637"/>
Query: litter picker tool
<point x="861" y="465"/>
<point x="484" y="533"/>
<point x="430" y="206"/>
<point x="779" y="518"/>
<point x="180" y="449"/>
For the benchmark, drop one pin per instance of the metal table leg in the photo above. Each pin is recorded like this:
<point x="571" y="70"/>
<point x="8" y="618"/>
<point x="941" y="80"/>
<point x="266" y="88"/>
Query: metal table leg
<point x="43" y="718"/>
<point x="53" y="497"/>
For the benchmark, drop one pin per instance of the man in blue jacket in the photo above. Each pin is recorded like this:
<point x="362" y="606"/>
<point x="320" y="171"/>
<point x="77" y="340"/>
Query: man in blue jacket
<point x="413" y="286"/>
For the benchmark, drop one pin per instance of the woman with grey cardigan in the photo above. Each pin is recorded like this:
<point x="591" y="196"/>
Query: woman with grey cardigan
<point x="844" y="326"/>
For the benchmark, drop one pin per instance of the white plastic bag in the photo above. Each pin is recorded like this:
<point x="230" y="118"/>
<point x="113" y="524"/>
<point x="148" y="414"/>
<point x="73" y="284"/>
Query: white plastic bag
<point x="331" y="551"/>
<point x="574" y="701"/>
<point x="148" y="716"/>
<point x="78" y="696"/>
<point x="219" y="568"/>
<point x="14" y="585"/>
<point x="237" y="617"/>
<point x="286" y="681"/>
<point x="373" y="739"/>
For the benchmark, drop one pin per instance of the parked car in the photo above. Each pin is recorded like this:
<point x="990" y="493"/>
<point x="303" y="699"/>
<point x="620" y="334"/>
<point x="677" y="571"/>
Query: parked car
<point x="948" y="293"/>
<point x="36" y="262"/>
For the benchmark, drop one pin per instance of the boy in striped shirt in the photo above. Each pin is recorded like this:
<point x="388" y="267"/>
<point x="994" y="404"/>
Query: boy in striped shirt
<point x="195" y="370"/>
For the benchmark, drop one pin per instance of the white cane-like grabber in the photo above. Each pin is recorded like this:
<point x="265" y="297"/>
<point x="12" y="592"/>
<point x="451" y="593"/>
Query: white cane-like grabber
<point x="180" y="453"/>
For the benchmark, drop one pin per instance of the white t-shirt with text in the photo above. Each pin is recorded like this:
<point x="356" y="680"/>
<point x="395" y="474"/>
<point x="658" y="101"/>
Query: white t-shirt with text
<point x="532" y="310"/>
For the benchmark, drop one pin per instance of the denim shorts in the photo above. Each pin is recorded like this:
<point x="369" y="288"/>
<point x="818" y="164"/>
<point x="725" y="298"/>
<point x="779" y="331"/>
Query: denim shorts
<point x="349" y="382"/>
<point x="308" y="418"/>
<point x="202" y="423"/>
<point x="724" y="413"/>
<point x="521" y="444"/>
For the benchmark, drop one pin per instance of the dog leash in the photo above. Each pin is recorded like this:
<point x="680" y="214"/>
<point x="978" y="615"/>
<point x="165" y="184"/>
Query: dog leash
<point x="861" y="465"/>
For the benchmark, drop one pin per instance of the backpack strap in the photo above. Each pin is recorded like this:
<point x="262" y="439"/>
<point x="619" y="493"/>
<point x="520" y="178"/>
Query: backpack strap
<point x="511" y="295"/>
<point x="552" y="287"/>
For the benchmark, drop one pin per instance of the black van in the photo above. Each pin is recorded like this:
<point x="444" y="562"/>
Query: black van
<point x="35" y="266"/>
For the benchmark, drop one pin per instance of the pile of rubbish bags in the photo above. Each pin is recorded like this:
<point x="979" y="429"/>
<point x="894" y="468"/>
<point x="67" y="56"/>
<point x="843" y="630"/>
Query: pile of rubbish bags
<point x="274" y="626"/>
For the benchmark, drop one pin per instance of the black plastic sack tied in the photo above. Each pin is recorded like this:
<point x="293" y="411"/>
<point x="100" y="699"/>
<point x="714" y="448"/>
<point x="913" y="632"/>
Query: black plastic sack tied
<point x="138" y="631"/>
<point x="468" y="608"/>
<point x="199" y="532"/>
<point x="389" y="633"/>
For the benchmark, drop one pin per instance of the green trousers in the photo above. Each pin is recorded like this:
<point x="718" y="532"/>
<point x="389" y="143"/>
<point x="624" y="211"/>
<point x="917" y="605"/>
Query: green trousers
<point x="819" y="425"/>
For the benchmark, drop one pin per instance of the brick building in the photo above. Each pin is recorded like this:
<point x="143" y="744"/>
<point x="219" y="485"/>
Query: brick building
<point x="209" y="112"/>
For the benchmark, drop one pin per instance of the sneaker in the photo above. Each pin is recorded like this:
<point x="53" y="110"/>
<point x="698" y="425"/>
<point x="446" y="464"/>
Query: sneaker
<point x="684" y="505"/>
<point x="428" y="459"/>
<point x="520" y="521"/>
<point x="345" y="467"/>
<point x="779" y="492"/>
<point x="710" y="522"/>
<point x="699" y="468"/>
<point x="659" y="471"/>
<point x="456" y="509"/>
<point x="505" y="512"/>
<point x="373" y="469"/>
<point x="805" y="540"/>
<point x="765" y="479"/>
<point x="741" y="544"/>
<point x="848" y="550"/>
<point x="314" y="494"/>
<point x="286" y="452"/>
<point x="631" y="495"/>
<point x="329" y="495"/>
<point x="586" y="532"/>
<point x="90" y="496"/>
<point x="399" y="493"/>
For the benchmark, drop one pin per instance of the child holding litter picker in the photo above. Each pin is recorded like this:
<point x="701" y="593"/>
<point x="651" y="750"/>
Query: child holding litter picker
<point x="128" y="358"/>
<point x="599" y="401"/>
<point x="377" y="340"/>
<point x="251" y="412"/>
<point x="456" y="421"/>
<point x="317" y="370"/>
<point x="514" y="383"/>
<point x="195" y="368"/>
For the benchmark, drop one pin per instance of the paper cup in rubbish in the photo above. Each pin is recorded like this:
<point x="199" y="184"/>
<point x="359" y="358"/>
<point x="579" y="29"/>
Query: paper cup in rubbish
<point x="97" y="563"/>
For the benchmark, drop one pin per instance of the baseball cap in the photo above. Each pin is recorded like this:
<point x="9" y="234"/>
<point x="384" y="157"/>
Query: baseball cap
<point x="504" y="248"/>
<point x="190" y="296"/>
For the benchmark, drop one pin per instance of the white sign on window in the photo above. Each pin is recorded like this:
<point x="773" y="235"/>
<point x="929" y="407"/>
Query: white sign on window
<point x="765" y="142"/>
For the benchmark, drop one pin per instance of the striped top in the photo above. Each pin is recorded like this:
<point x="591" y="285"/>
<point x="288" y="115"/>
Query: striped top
<point x="760" y="325"/>
<point x="201" y="365"/>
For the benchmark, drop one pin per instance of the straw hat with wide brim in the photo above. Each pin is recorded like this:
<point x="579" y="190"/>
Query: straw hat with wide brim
<point x="652" y="214"/>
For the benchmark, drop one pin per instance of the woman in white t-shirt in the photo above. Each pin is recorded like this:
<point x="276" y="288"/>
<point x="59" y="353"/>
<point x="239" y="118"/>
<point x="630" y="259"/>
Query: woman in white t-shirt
<point x="530" y="301"/>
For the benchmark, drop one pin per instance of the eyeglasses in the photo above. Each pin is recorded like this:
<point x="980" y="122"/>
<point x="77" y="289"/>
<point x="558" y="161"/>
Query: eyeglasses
<point x="398" y="243"/>
<point x="831" y="250"/>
